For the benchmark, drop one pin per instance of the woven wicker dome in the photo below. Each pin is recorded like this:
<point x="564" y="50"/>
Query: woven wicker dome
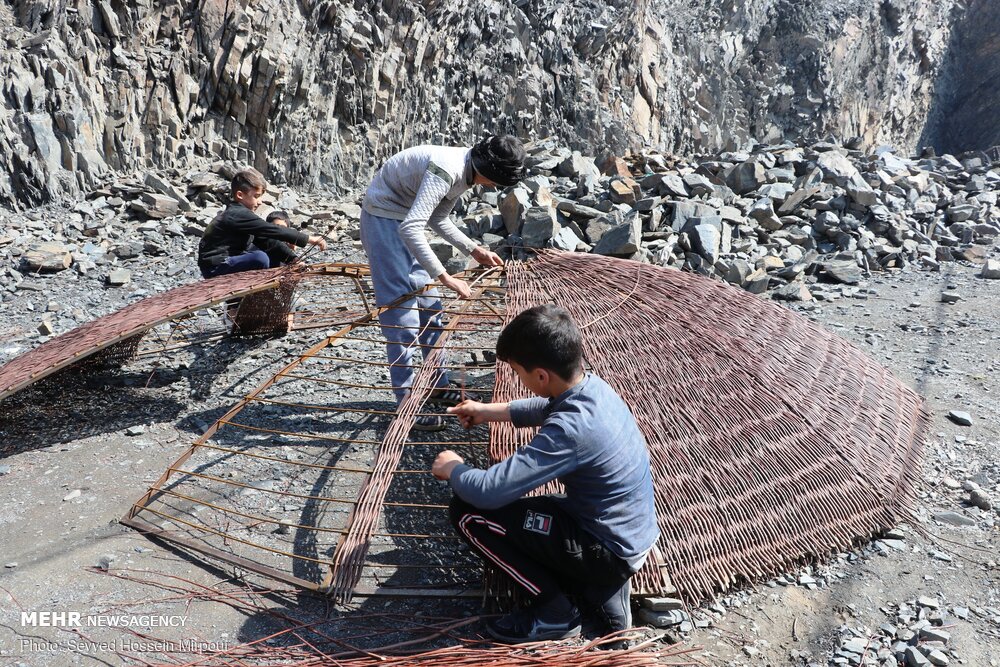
<point x="772" y="440"/>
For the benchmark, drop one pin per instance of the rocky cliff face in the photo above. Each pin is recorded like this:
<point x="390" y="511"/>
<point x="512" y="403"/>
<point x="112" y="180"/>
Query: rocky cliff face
<point x="318" y="92"/>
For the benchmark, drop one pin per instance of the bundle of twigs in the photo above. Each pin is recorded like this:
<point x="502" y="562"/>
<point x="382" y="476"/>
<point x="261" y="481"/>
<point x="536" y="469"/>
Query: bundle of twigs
<point x="353" y="639"/>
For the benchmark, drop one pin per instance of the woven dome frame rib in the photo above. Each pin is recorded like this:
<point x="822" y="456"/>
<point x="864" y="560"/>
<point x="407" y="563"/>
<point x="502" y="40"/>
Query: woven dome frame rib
<point x="772" y="441"/>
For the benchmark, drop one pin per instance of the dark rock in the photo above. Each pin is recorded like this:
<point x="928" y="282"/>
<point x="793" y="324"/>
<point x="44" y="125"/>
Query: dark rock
<point x="960" y="417"/>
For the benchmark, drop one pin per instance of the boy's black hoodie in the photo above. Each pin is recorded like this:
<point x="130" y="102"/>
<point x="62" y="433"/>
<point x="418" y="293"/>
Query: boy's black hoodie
<point x="232" y="232"/>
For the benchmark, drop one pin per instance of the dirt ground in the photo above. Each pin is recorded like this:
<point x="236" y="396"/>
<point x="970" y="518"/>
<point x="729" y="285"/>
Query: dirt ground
<point x="74" y="471"/>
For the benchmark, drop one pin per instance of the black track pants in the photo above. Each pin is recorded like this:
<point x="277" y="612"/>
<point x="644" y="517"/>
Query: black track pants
<point x="540" y="546"/>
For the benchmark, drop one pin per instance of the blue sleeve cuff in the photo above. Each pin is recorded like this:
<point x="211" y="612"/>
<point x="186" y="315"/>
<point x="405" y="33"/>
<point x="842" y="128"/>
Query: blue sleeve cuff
<point x="455" y="480"/>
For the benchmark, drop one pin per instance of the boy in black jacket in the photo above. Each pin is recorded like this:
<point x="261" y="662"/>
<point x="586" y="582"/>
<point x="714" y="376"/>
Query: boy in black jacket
<point x="227" y="246"/>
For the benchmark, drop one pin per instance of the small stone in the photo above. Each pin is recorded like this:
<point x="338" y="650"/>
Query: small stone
<point x="155" y="206"/>
<point x="856" y="645"/>
<point x="662" y="619"/>
<point x="577" y="165"/>
<point x="991" y="269"/>
<point x="930" y="603"/>
<point x="4" y="469"/>
<point x="135" y="430"/>
<point x="975" y="254"/>
<point x="661" y="604"/>
<point x="933" y="634"/>
<point x="960" y="417"/>
<point x="513" y="208"/>
<point x="954" y="519"/>
<point x="539" y="226"/>
<point x="284" y="528"/>
<point x="624" y="239"/>
<point x="624" y="191"/>
<point x="914" y="658"/>
<point x="937" y="657"/>
<point x="119" y="277"/>
<point x="978" y="498"/>
<point x="950" y="297"/>
<point x="750" y="651"/>
<point x="75" y="493"/>
<point x="746" y="177"/>
<point x="105" y="561"/>
<point x="11" y="565"/>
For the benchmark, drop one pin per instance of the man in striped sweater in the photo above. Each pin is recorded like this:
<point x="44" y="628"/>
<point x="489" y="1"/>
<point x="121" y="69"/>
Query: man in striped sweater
<point x="415" y="189"/>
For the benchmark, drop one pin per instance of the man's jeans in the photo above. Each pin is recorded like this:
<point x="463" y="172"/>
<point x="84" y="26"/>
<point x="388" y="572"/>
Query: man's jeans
<point x="251" y="260"/>
<point x="395" y="273"/>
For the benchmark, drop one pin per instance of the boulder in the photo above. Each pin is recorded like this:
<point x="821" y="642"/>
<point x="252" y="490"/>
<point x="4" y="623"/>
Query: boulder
<point x="746" y="177"/>
<point x="991" y="269"/>
<point x="763" y="212"/>
<point x="513" y="209"/>
<point x="576" y="165"/>
<point x="539" y="226"/>
<point x="622" y="240"/>
<point x="47" y="257"/>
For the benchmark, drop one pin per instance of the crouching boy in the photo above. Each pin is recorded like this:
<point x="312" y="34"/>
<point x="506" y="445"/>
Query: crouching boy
<point x="228" y="243"/>
<point x="562" y="550"/>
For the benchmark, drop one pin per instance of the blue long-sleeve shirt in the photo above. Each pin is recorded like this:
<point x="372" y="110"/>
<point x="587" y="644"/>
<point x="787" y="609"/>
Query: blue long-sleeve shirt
<point x="590" y="442"/>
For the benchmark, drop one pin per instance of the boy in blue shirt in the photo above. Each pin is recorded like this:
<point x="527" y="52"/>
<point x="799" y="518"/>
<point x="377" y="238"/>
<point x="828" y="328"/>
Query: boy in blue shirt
<point x="585" y="544"/>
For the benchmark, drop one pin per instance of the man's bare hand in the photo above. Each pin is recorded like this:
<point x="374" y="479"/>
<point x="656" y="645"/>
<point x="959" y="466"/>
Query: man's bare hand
<point x="486" y="257"/>
<point x="318" y="241"/>
<point x="459" y="286"/>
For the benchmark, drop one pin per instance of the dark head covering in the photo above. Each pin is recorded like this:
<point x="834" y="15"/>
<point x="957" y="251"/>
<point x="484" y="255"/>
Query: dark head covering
<point x="500" y="159"/>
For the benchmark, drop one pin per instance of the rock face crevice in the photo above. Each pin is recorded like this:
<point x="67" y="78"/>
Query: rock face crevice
<point x="317" y="93"/>
<point x="965" y="114"/>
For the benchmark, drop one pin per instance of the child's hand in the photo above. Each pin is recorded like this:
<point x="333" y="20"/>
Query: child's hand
<point x="445" y="463"/>
<point x="319" y="241"/>
<point x="469" y="413"/>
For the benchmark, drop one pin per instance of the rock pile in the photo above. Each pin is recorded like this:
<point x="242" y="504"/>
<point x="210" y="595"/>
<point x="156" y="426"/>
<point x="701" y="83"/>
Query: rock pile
<point x="798" y="222"/>
<point x="807" y="222"/>
<point x="916" y="638"/>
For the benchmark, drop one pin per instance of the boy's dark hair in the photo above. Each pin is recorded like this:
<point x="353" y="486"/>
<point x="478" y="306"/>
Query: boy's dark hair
<point x="500" y="159"/>
<point x="279" y="215"/>
<point x="543" y="337"/>
<point x="247" y="180"/>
